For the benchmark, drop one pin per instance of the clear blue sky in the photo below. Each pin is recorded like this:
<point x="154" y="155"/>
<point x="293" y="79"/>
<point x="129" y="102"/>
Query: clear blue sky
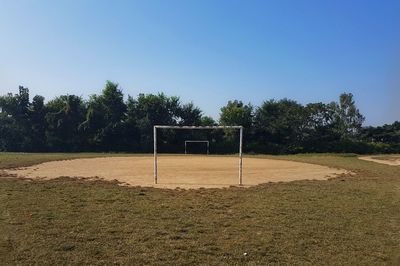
<point x="207" y="52"/>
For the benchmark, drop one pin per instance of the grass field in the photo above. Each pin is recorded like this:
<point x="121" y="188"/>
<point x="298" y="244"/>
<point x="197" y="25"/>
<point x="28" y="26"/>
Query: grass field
<point x="352" y="220"/>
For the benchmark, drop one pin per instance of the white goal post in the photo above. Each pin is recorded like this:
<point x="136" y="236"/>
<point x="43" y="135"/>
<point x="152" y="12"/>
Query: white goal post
<point x="240" y="128"/>
<point x="198" y="141"/>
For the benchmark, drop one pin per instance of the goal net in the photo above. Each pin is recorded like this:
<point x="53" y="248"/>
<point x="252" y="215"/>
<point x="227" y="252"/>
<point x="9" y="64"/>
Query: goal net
<point x="189" y="142"/>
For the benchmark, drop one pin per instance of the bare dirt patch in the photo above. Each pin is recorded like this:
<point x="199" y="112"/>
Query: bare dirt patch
<point x="180" y="171"/>
<point x="388" y="160"/>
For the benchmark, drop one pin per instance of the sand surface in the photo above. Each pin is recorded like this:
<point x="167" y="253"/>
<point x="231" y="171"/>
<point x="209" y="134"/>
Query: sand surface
<point x="180" y="171"/>
<point x="395" y="160"/>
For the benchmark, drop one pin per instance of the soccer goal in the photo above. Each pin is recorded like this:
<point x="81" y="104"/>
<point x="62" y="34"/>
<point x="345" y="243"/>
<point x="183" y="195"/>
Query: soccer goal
<point x="240" y="128"/>
<point x="198" y="141"/>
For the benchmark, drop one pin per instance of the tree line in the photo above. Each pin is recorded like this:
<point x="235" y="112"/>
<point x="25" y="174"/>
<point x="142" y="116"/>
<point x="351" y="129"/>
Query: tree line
<point x="107" y="122"/>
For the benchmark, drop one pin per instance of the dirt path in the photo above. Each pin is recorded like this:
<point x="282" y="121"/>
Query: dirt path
<point x="181" y="171"/>
<point x="388" y="160"/>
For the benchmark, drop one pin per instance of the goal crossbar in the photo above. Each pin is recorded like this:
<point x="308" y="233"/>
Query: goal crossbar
<point x="240" y="128"/>
<point x="199" y="127"/>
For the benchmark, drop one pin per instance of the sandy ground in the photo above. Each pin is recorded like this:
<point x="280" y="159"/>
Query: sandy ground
<point x="392" y="161"/>
<point x="181" y="171"/>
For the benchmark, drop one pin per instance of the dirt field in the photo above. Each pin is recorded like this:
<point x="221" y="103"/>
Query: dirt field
<point x="388" y="160"/>
<point x="180" y="171"/>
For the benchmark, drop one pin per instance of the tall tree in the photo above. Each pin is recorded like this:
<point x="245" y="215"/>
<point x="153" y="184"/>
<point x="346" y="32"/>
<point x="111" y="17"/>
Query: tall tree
<point x="11" y="136"/>
<point x="64" y="115"/>
<point x="37" y="113"/>
<point x="235" y="113"/>
<point x="149" y="110"/>
<point x="348" y="118"/>
<point x="105" y="118"/>
<point x="189" y="115"/>
<point x="15" y="121"/>
<point x="279" y="125"/>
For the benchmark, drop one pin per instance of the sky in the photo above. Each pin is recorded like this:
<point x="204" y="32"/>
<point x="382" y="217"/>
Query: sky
<point x="207" y="51"/>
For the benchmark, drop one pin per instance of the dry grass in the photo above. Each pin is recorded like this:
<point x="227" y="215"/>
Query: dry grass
<point x="353" y="220"/>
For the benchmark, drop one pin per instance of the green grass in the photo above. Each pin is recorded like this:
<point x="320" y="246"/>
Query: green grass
<point x="352" y="220"/>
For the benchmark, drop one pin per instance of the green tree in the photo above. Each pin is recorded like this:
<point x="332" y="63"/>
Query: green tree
<point x="384" y="139"/>
<point x="10" y="133"/>
<point x="318" y="134"/>
<point x="207" y="121"/>
<point x="15" y="125"/>
<point x="279" y="126"/>
<point x="105" y="118"/>
<point x="149" y="110"/>
<point x="348" y="118"/>
<point x="189" y="115"/>
<point x="235" y="113"/>
<point x="64" y="115"/>
<point x="37" y="113"/>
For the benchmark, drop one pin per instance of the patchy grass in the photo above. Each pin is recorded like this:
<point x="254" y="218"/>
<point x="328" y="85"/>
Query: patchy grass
<point x="354" y="220"/>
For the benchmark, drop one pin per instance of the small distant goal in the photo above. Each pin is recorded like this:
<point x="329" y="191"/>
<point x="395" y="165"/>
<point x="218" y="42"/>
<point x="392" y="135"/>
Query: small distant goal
<point x="240" y="128"/>
<point x="198" y="141"/>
